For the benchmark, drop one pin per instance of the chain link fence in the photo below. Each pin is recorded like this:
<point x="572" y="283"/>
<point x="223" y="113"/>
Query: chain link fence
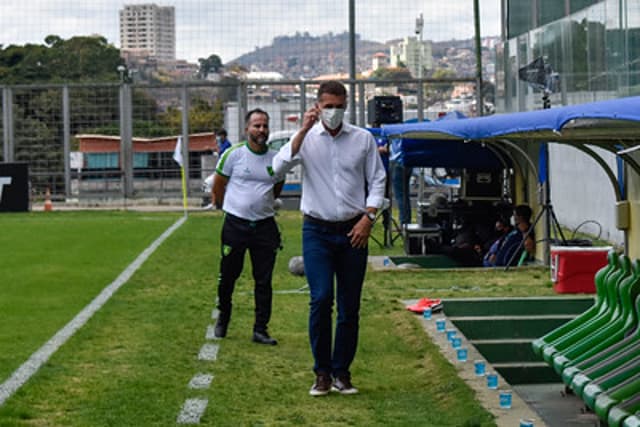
<point x="115" y="142"/>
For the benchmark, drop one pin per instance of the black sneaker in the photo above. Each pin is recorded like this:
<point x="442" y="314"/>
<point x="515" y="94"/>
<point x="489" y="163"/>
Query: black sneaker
<point x="322" y="386"/>
<point x="342" y="384"/>
<point x="263" y="338"/>
<point x="220" y="330"/>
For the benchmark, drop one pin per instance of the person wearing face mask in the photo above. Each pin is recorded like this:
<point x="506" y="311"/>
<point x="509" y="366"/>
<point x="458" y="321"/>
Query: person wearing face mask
<point x="223" y="142"/>
<point x="342" y="189"/>
<point x="520" y="237"/>
<point x="502" y="228"/>
<point x="245" y="187"/>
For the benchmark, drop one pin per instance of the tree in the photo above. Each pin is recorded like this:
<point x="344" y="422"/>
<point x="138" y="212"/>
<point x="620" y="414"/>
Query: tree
<point x="203" y="117"/>
<point x="488" y="91"/>
<point x="53" y="40"/>
<point x="38" y="126"/>
<point x="394" y="73"/>
<point x="82" y="58"/>
<point x="391" y="73"/>
<point x="212" y="64"/>
<point x="438" y="92"/>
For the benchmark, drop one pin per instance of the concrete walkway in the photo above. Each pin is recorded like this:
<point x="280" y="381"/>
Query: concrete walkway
<point x="544" y="404"/>
<point x="556" y="408"/>
<point x="520" y="410"/>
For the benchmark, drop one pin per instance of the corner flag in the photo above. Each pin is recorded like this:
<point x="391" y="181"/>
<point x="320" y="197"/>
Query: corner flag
<point x="177" y="152"/>
<point x="177" y="156"/>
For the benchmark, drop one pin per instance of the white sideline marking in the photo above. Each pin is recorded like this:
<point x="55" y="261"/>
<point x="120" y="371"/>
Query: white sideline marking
<point x="215" y="313"/>
<point x="208" y="352"/>
<point x="21" y="375"/>
<point x="201" y="381"/>
<point x="211" y="333"/>
<point x="192" y="410"/>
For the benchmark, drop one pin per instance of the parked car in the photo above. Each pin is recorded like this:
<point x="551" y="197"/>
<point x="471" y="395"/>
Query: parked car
<point x="293" y="180"/>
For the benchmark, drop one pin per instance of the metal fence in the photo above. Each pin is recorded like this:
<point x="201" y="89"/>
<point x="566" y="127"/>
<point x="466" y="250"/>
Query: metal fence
<point x="43" y="126"/>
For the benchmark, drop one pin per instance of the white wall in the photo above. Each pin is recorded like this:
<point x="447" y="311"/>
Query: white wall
<point x="580" y="191"/>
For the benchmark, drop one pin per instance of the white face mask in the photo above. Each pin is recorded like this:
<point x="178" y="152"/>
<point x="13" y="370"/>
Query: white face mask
<point x="332" y="117"/>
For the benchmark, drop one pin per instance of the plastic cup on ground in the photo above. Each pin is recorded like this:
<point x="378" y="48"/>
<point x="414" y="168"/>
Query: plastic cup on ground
<point x="450" y="334"/>
<point x="492" y="381"/>
<point x="505" y="399"/>
<point x="479" y="367"/>
<point x="440" y="325"/>
<point x="526" y="422"/>
<point x="456" y="342"/>
<point x="462" y="354"/>
<point x="427" y="313"/>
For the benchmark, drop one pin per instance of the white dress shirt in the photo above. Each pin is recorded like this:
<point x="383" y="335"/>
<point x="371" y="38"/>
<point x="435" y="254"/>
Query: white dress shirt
<point x="341" y="175"/>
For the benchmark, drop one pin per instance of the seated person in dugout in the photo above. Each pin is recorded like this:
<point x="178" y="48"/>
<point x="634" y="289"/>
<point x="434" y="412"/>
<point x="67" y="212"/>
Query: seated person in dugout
<point x="502" y="229"/>
<point x="511" y="250"/>
<point x="466" y="247"/>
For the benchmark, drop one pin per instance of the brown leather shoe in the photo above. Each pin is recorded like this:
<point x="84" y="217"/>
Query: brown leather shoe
<point x="322" y="386"/>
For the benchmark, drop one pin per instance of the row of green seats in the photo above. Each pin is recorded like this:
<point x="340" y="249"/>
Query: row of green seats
<point x="597" y="352"/>
<point x="632" y="421"/>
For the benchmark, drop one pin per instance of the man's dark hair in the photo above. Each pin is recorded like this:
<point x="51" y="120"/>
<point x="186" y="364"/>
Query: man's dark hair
<point x="252" y="112"/>
<point x="524" y="211"/>
<point x="332" y="87"/>
<point x="504" y="220"/>
<point x="221" y="132"/>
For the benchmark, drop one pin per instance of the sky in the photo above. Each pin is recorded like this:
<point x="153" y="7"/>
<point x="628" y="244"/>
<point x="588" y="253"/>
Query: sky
<point x="230" y="28"/>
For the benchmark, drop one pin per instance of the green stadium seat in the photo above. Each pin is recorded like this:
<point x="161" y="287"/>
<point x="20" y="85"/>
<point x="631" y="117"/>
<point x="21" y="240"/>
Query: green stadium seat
<point x="580" y="374"/>
<point x="595" y="310"/>
<point x="632" y="421"/>
<point x="608" y="311"/>
<point x="619" y="402"/>
<point x="623" y="322"/>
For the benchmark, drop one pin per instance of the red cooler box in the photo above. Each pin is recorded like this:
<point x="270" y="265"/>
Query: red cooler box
<point x="573" y="268"/>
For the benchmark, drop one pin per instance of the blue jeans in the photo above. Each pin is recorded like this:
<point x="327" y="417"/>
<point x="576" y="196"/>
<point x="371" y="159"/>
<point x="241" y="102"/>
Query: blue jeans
<point x="401" y="177"/>
<point x="327" y="253"/>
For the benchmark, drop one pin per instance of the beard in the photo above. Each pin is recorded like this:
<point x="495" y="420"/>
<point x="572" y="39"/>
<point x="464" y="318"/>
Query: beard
<point x="260" y="139"/>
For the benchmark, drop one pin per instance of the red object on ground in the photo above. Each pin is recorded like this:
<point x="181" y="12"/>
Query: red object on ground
<point x="573" y="268"/>
<point x="419" y="307"/>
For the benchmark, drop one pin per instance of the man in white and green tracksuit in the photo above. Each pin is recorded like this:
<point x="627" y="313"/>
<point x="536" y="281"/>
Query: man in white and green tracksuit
<point x="246" y="188"/>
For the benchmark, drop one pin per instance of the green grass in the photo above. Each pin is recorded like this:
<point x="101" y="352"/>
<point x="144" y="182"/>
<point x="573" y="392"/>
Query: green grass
<point x="130" y="365"/>
<point x="53" y="265"/>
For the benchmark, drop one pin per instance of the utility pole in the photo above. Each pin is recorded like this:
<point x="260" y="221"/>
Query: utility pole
<point x="476" y="19"/>
<point x="352" y="61"/>
<point x="419" y="28"/>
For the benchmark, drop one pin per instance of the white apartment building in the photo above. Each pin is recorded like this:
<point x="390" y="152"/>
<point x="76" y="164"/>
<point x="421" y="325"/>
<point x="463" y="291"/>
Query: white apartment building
<point x="148" y="30"/>
<point x="411" y="52"/>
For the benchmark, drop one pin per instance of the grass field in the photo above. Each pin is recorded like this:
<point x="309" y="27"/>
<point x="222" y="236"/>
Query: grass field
<point x="131" y="363"/>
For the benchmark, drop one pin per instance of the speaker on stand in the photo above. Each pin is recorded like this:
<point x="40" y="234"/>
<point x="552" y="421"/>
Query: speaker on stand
<point x="386" y="110"/>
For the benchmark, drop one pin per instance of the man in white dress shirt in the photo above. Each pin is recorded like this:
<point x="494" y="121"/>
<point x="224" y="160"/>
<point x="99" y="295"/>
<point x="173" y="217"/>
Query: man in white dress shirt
<point x="342" y="189"/>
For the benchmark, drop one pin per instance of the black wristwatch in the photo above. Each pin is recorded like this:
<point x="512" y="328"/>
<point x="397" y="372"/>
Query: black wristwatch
<point x="371" y="216"/>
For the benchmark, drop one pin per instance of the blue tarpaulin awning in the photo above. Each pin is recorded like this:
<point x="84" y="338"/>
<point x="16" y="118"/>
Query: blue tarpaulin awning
<point x="472" y="143"/>
<point x="591" y="122"/>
